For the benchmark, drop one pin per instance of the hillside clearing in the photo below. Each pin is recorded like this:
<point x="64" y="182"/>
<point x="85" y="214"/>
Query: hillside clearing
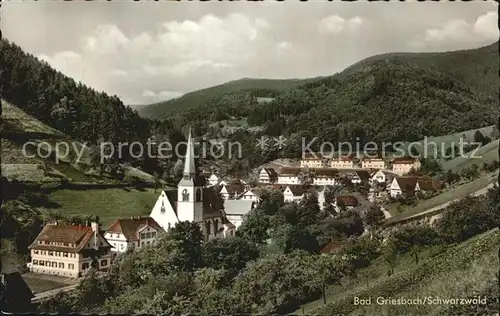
<point x="108" y="204"/>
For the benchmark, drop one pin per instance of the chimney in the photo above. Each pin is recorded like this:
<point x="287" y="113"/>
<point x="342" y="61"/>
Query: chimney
<point x="95" y="229"/>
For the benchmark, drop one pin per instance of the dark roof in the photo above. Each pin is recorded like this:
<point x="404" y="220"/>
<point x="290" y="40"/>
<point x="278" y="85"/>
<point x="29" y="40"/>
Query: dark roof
<point x="290" y="171"/>
<point x="312" y="156"/>
<point x="271" y="172"/>
<point x="212" y="203"/>
<point x="407" y="184"/>
<point x="129" y="227"/>
<point x="429" y="185"/>
<point x="233" y="189"/>
<point x="363" y="175"/>
<point x="373" y="156"/>
<point x="348" y="200"/>
<point x="297" y="190"/>
<point x="325" y="172"/>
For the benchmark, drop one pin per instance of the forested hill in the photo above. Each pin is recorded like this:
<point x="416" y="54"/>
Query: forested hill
<point x="265" y="88"/>
<point x="387" y="98"/>
<point x="476" y="68"/>
<point x="69" y="106"/>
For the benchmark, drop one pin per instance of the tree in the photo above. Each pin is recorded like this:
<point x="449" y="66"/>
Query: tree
<point x="156" y="179"/>
<point x="232" y="253"/>
<point x="479" y="137"/>
<point x="254" y="227"/>
<point x="373" y="216"/>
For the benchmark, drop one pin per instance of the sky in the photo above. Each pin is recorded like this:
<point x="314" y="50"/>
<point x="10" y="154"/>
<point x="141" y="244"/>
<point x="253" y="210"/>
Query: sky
<point x="145" y="52"/>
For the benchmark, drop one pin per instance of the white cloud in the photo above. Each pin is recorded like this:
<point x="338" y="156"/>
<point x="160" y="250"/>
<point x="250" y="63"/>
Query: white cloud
<point x="335" y="24"/>
<point x="487" y="25"/>
<point x="160" y="96"/>
<point x="460" y="32"/>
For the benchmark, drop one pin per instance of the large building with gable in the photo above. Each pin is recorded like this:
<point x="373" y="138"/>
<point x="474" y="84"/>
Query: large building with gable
<point x="192" y="201"/>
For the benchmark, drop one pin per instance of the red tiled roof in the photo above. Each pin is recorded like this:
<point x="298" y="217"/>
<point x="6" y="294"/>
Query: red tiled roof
<point x="63" y="233"/>
<point x="348" y="200"/>
<point x="404" y="160"/>
<point x="129" y="227"/>
<point x="333" y="247"/>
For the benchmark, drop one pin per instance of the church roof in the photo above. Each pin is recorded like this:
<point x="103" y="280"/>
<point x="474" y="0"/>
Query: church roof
<point x="237" y="207"/>
<point x="189" y="165"/>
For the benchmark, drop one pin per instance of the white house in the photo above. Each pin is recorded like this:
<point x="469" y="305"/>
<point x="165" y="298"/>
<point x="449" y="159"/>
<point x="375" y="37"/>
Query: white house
<point x="232" y="181"/>
<point x="133" y="232"/>
<point x="268" y="176"/>
<point x="382" y="176"/>
<point x="312" y="161"/>
<point x="293" y="194"/>
<point x="213" y="180"/>
<point x="252" y="195"/>
<point x="192" y="202"/>
<point x="373" y="162"/>
<point x="403" y="165"/>
<point x="236" y="210"/>
<point x="343" y="162"/>
<point x="325" y="176"/>
<point x="232" y="190"/>
<point x="289" y="176"/>
<point x="408" y="186"/>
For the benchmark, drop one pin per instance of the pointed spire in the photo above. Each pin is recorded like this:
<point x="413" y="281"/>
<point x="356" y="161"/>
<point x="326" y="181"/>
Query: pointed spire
<point x="189" y="166"/>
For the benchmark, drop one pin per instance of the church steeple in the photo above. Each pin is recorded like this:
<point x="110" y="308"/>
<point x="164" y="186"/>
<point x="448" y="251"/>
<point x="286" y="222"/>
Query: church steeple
<point x="189" y="164"/>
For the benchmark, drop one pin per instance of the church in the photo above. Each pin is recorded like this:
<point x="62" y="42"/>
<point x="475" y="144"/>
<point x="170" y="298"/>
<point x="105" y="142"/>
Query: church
<point x="193" y="201"/>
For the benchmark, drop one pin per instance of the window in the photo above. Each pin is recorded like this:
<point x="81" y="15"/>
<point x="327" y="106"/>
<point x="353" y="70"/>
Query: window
<point x="216" y="226"/>
<point x="71" y="266"/>
<point x="185" y="195"/>
<point x="207" y="227"/>
<point x="34" y="262"/>
<point x="65" y="254"/>
<point x="61" y="265"/>
<point x="35" y="252"/>
<point x="65" y="244"/>
<point x="153" y="234"/>
<point x="143" y="235"/>
<point x="121" y="246"/>
<point x="198" y="195"/>
<point x="147" y="243"/>
<point x="47" y="263"/>
<point x="41" y="263"/>
<point x="104" y="263"/>
<point x="148" y="235"/>
<point x="85" y="265"/>
<point x="51" y="253"/>
<point x="142" y="243"/>
<point x="54" y="264"/>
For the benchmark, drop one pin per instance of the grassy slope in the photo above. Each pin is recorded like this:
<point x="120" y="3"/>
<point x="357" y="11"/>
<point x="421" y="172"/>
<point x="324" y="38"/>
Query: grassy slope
<point x="196" y="98"/>
<point x="461" y="270"/>
<point x="109" y="204"/>
<point x="20" y="128"/>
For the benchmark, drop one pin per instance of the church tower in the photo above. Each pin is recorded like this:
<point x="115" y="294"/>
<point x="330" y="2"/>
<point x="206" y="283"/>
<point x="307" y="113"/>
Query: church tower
<point x="190" y="188"/>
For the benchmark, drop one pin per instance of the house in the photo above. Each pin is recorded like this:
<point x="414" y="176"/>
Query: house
<point x="268" y="175"/>
<point x="236" y="210"/>
<point x="310" y="160"/>
<point x="289" y="176"/>
<point x="373" y="161"/>
<point x="347" y="201"/>
<point x="359" y="176"/>
<point x="232" y="189"/>
<point x="409" y="185"/>
<point x="334" y="247"/>
<point x="252" y="195"/>
<point x="133" y="232"/>
<point x="343" y="162"/>
<point x="382" y="176"/>
<point x="293" y="193"/>
<point x="213" y="179"/>
<point x="403" y="165"/>
<point x="69" y="250"/>
<point x="192" y="202"/>
<point x="15" y="293"/>
<point x="324" y="176"/>
<point x="232" y="181"/>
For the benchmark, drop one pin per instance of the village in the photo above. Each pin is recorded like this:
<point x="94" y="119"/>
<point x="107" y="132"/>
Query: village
<point x="219" y="207"/>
